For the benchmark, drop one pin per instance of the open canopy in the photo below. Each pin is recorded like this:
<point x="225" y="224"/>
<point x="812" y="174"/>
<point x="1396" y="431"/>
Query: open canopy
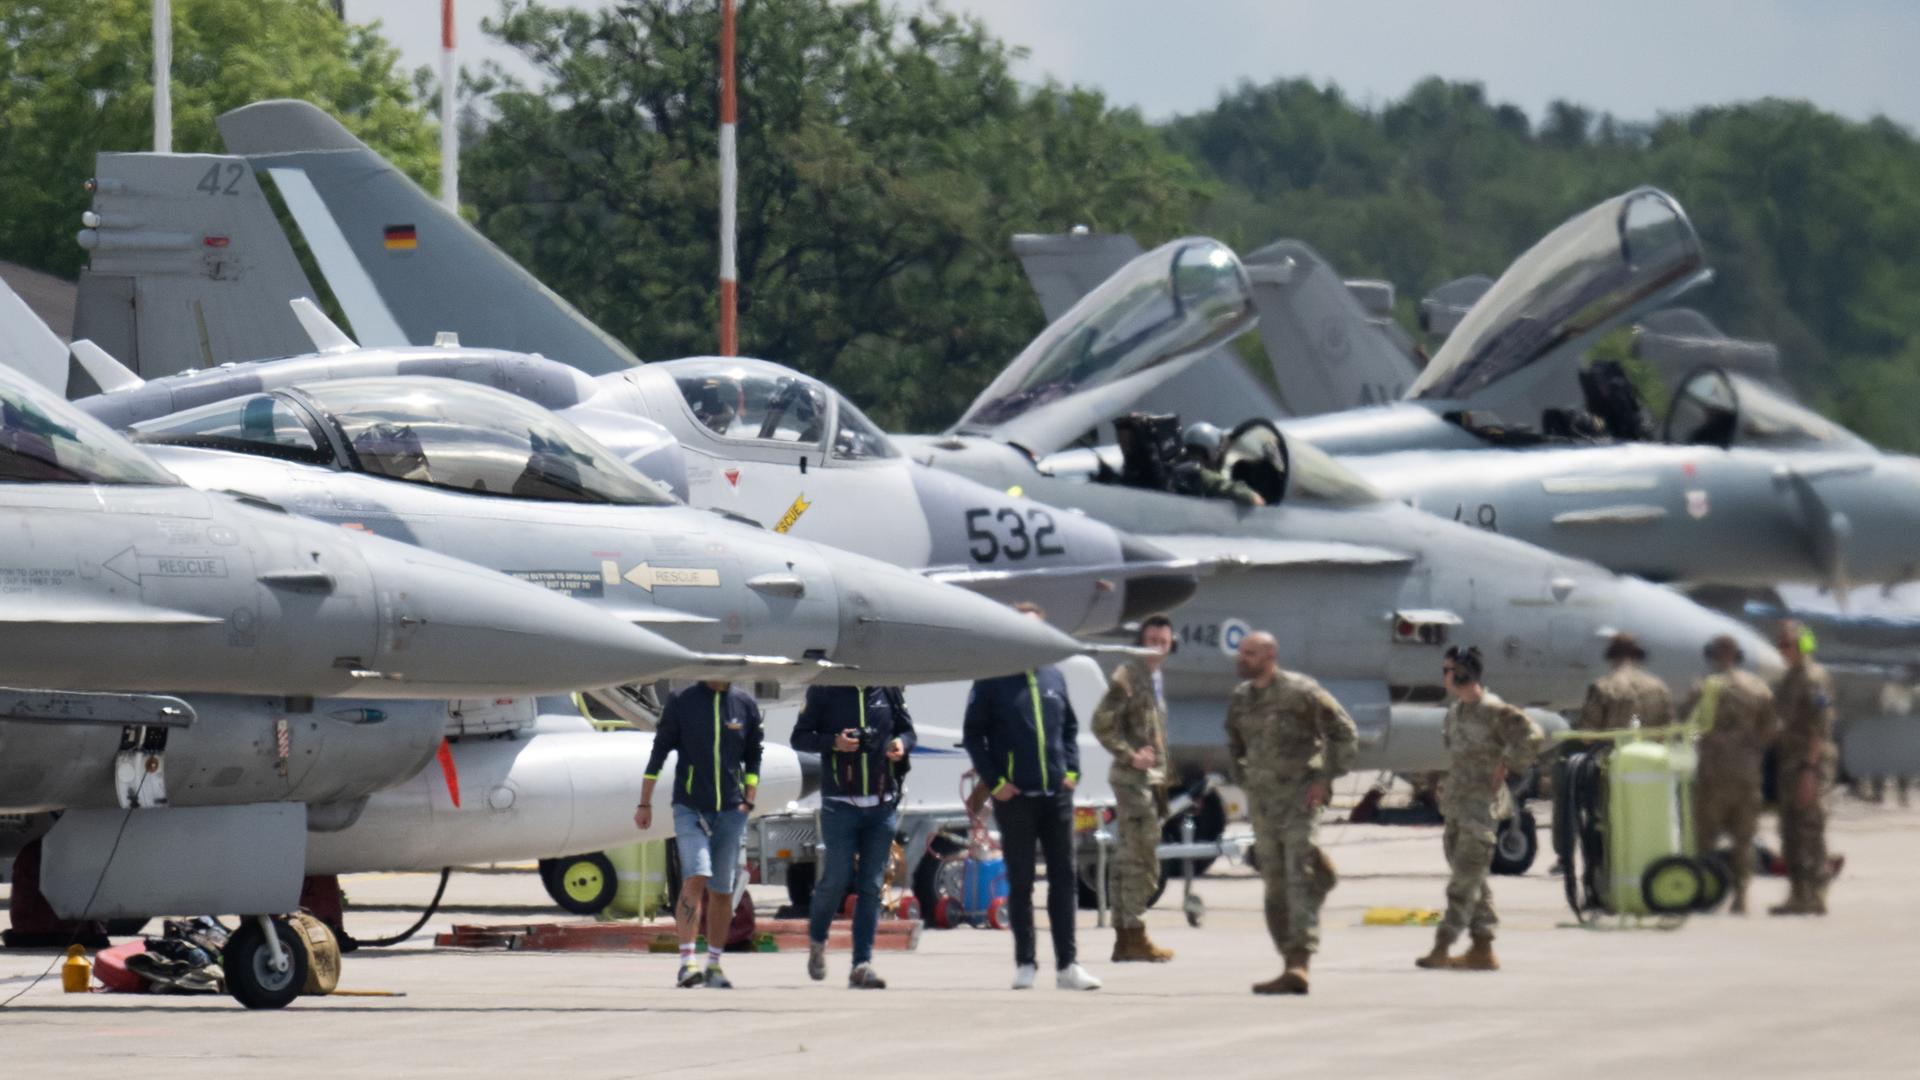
<point x="1592" y="273"/>
<point x="437" y="432"/>
<point x="1169" y="304"/>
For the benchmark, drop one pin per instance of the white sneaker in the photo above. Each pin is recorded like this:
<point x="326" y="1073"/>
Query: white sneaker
<point x="1075" y="977"/>
<point x="1023" y="976"/>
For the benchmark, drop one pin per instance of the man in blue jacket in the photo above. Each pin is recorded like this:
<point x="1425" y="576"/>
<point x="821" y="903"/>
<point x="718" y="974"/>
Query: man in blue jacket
<point x="862" y="734"/>
<point x="717" y="732"/>
<point x="1023" y="738"/>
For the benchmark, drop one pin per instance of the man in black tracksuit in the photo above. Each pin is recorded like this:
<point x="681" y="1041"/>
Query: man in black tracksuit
<point x="1023" y="737"/>
<point x="717" y="732"/>
<point x="861" y="733"/>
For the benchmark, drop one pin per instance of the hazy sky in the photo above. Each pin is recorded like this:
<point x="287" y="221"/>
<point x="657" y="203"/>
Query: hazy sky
<point x="1634" y="58"/>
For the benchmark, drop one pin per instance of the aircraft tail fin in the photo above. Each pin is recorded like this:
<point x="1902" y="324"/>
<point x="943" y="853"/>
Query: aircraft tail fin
<point x="109" y="374"/>
<point x="29" y="345"/>
<point x="403" y="267"/>
<point x="1063" y="267"/>
<point x="1329" y="353"/>
<point x="188" y="265"/>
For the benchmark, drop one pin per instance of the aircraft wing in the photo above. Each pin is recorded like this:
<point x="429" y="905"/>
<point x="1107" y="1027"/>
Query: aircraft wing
<point x="974" y="578"/>
<point x="658" y="616"/>
<point x="86" y="613"/>
<point x="1237" y="553"/>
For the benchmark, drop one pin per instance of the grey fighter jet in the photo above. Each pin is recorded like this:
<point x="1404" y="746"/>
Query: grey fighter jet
<point x="119" y="577"/>
<point x="1382" y="586"/>
<point x="479" y="473"/>
<point x="1738" y="486"/>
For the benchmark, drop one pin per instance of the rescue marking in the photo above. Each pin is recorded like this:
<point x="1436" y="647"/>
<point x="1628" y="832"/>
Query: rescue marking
<point x="646" y="576"/>
<point x="788" y="519"/>
<point x="133" y="566"/>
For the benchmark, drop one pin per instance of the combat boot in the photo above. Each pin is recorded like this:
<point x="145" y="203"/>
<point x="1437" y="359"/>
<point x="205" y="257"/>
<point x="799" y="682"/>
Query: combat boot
<point x="1291" y="981"/>
<point x="1154" y="953"/>
<point x="1130" y="945"/>
<point x="1817" y="900"/>
<point x="1478" y="957"/>
<point x="1796" y="902"/>
<point x="1437" y="960"/>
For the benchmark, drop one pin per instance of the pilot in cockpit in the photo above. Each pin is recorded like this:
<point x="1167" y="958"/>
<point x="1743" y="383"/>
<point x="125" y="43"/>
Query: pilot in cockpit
<point x="392" y="450"/>
<point x="711" y="407"/>
<point x="1198" y="470"/>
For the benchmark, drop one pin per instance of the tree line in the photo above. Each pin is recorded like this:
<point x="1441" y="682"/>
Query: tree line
<point x="888" y="155"/>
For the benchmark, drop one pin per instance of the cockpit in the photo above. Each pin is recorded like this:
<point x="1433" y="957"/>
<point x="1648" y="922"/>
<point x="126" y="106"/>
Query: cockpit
<point x="436" y="432"/>
<point x="755" y="401"/>
<point x="1722" y="408"/>
<point x="44" y="440"/>
<point x="1595" y="271"/>
<point x="1254" y="464"/>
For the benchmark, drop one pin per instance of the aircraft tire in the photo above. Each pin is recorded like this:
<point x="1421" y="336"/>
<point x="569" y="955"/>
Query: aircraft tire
<point x="247" y="964"/>
<point x="1516" y="844"/>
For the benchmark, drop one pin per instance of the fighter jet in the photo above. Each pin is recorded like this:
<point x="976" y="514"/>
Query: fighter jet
<point x="468" y="470"/>
<point x="120" y="577"/>
<point x="1738" y="486"/>
<point x="1386" y="585"/>
<point x="750" y="438"/>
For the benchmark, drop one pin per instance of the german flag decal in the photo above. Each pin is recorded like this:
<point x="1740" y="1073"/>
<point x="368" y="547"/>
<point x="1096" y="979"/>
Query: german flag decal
<point x="402" y="238"/>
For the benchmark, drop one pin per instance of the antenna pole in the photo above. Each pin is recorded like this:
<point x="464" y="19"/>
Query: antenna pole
<point x="729" y="191"/>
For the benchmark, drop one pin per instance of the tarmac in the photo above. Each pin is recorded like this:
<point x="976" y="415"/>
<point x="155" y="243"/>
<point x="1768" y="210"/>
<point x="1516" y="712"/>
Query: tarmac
<point x="1720" y="996"/>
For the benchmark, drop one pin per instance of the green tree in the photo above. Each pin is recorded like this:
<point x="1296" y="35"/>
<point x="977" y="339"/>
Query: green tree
<point x="76" y="78"/>
<point x="1810" y="221"/>
<point x="886" y="160"/>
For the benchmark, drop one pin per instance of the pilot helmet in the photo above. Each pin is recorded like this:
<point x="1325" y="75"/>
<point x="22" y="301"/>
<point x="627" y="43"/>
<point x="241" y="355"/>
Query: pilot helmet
<point x="1201" y="440"/>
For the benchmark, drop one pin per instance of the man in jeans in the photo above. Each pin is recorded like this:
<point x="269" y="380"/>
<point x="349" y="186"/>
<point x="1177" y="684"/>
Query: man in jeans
<point x="717" y="732"/>
<point x="862" y="734"/>
<point x="1023" y="738"/>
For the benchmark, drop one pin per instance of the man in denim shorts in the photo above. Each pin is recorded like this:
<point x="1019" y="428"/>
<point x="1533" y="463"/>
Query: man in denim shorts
<point x="717" y="733"/>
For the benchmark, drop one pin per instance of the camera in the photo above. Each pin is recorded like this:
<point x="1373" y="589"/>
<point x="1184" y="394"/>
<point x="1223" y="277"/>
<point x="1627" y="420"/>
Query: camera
<point x="870" y="739"/>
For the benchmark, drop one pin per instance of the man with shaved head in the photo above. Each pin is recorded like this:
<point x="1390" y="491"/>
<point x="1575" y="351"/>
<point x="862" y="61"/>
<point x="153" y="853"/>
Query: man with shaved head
<point x="1288" y="740"/>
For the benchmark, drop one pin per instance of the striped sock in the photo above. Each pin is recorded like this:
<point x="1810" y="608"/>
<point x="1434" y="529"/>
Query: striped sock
<point x="713" y="956"/>
<point x="686" y="955"/>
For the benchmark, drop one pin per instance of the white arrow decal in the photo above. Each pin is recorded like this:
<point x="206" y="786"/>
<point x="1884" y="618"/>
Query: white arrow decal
<point x="647" y="576"/>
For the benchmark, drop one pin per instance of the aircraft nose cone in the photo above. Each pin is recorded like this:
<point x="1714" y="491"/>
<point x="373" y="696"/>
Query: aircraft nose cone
<point x="452" y="629"/>
<point x="898" y="627"/>
<point x="1153" y="594"/>
<point x="1674" y="630"/>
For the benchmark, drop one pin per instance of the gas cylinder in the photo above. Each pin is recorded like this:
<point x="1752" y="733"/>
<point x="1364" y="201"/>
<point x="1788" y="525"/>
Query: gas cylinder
<point x="76" y="973"/>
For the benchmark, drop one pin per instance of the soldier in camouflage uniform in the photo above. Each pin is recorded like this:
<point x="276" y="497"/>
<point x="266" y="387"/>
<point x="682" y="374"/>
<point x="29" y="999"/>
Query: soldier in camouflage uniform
<point x="1131" y="722"/>
<point x="1734" y="711"/>
<point x="1487" y="740"/>
<point x="1287" y="741"/>
<point x="1627" y="692"/>
<point x="1804" y="700"/>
